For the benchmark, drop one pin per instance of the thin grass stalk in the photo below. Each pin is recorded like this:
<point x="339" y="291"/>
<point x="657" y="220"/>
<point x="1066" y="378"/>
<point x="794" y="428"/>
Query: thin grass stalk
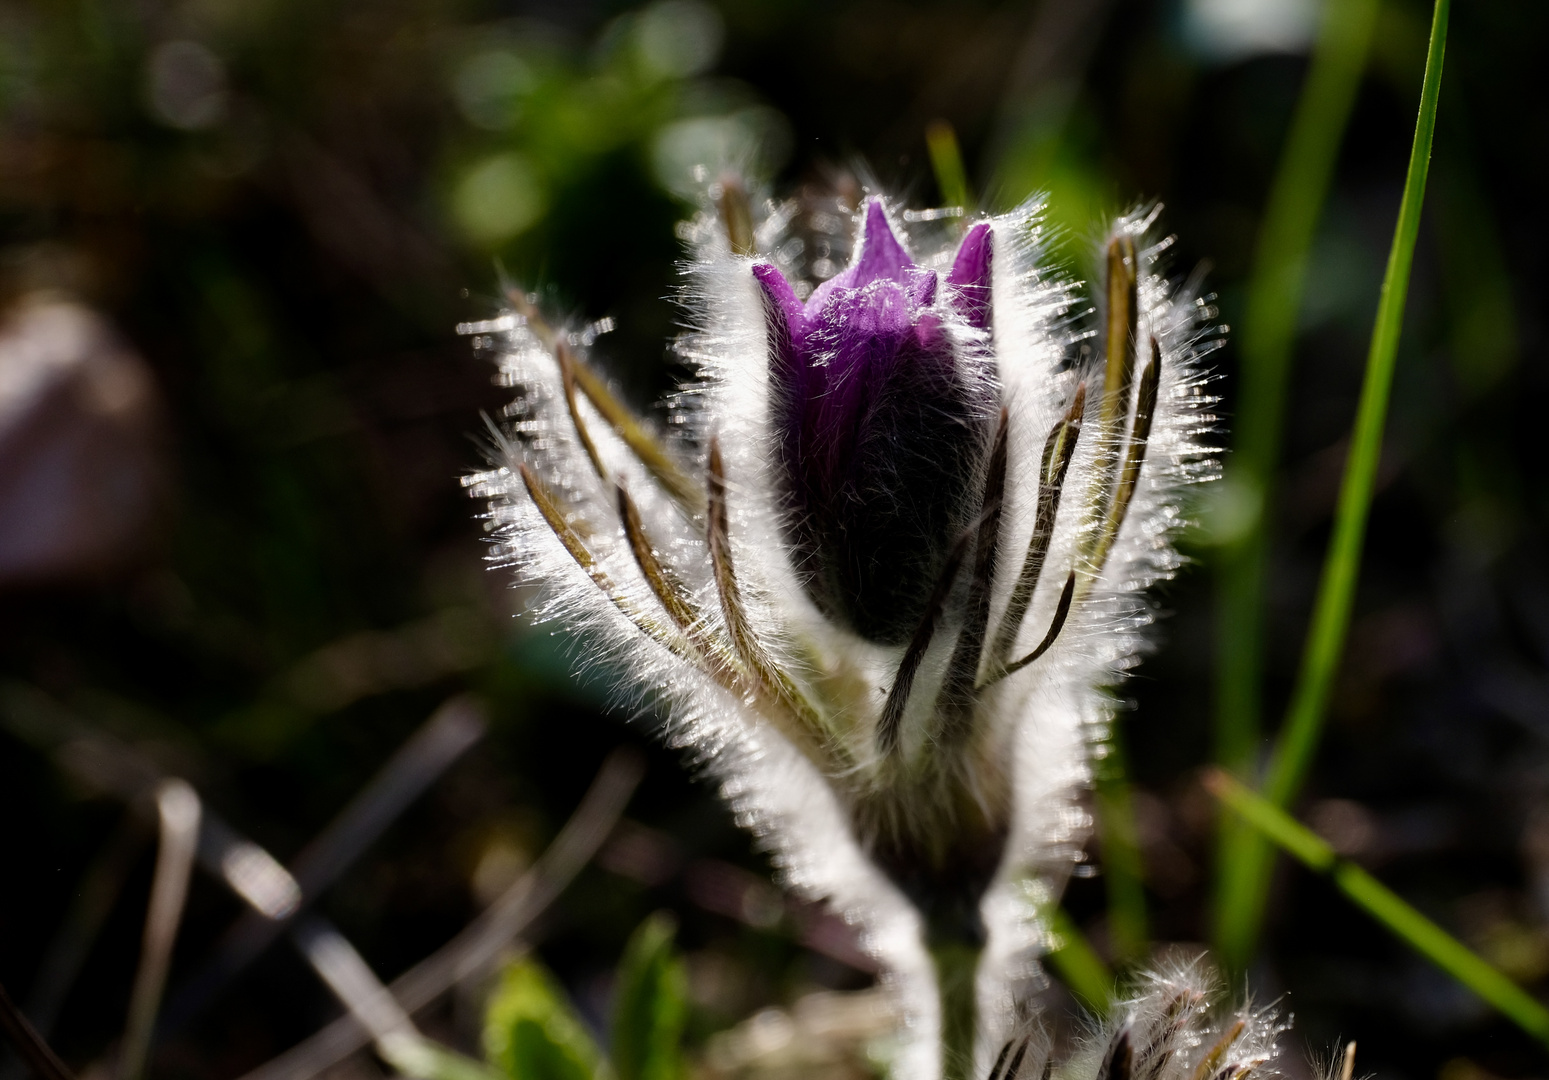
<point x="373" y="1005"/>
<point x="179" y="809"/>
<point x="1268" y="331"/>
<point x="1246" y="874"/>
<point x="1128" y="923"/>
<point x="442" y="740"/>
<point x="1382" y="904"/>
<point x="1078" y="965"/>
<point x="494" y="931"/>
<point x="1275" y="287"/>
<point x="96" y="894"/>
<point x="946" y="160"/>
<point x="30" y="1046"/>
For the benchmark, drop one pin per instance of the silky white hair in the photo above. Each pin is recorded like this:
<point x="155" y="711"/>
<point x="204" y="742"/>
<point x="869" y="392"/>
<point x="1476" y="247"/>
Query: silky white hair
<point x="1171" y="1025"/>
<point x="610" y="517"/>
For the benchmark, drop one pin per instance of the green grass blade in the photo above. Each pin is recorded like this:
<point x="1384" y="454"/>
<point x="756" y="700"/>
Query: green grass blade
<point x="1384" y="905"/>
<point x="1443" y="950"/>
<point x="1265" y="341"/>
<point x="1268" y="330"/>
<point x="946" y="160"/>
<point x="1078" y="965"/>
<point x="1336" y="590"/>
<point x="1246" y="870"/>
<point x="1306" y="846"/>
<point x="1122" y="870"/>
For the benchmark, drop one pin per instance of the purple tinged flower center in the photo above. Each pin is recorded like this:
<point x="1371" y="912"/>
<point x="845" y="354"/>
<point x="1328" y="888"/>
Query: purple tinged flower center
<point x="883" y="412"/>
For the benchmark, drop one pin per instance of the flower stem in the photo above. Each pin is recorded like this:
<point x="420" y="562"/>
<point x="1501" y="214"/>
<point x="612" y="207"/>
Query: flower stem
<point x="956" y="965"/>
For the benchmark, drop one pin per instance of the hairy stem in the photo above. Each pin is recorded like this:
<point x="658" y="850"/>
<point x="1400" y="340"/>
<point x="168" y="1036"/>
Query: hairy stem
<point x="956" y="965"/>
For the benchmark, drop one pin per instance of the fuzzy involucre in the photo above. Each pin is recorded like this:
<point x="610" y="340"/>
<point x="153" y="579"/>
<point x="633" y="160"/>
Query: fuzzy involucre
<point x="1170" y="1028"/>
<point x="921" y="777"/>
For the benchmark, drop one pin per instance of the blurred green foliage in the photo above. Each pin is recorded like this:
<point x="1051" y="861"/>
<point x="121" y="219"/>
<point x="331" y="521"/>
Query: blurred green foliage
<point x="286" y="207"/>
<point x="531" y="1032"/>
<point x="649" y="1005"/>
<point x="556" y="120"/>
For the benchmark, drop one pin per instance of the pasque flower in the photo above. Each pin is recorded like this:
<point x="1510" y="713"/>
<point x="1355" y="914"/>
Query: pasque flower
<point x="881" y="565"/>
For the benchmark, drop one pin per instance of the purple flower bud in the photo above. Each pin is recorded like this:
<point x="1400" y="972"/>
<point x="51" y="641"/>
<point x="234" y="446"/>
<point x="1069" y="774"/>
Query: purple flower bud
<point x="883" y="399"/>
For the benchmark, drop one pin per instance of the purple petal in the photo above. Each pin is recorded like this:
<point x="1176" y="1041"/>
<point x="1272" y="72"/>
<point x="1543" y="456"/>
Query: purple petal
<point x="786" y="325"/>
<point x="781" y="298"/>
<point x="784" y="319"/>
<point x="878" y="430"/>
<point x="922" y="289"/>
<point x="883" y="258"/>
<point x="970" y="276"/>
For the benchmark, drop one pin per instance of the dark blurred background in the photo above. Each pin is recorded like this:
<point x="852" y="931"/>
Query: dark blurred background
<point x="236" y="237"/>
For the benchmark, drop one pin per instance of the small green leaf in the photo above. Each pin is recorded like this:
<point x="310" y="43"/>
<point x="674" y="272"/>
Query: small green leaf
<point x="651" y="1002"/>
<point x="531" y="1032"/>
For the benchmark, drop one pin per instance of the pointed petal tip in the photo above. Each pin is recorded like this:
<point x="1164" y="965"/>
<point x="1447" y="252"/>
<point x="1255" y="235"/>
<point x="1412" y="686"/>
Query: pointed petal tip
<point x="974" y="257"/>
<point x="882" y="256"/>
<point x="780" y="301"/>
<point x="972" y="275"/>
<point x="876" y="213"/>
<point x="765" y="271"/>
<point x="775" y="286"/>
